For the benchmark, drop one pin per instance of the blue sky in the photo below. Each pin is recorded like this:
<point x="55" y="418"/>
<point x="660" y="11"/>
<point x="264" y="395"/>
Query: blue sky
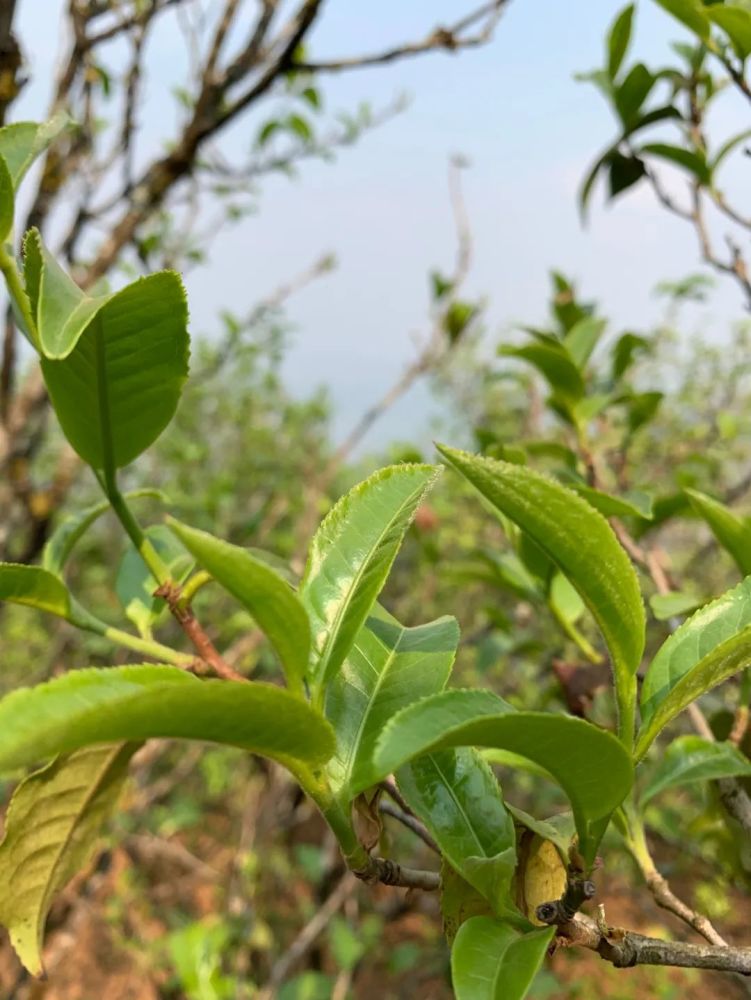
<point x="514" y="111"/>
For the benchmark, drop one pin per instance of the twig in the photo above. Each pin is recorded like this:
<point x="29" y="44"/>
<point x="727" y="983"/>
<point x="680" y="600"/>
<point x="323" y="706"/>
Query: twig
<point x="449" y="39"/>
<point x="308" y="935"/>
<point x="410" y="822"/>
<point x="390" y="873"/>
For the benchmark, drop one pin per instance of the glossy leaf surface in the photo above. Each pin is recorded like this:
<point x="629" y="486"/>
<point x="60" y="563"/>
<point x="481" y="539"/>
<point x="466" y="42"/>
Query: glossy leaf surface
<point x="350" y="558"/>
<point x="388" y="668"/>
<point x="456" y="795"/>
<point x="92" y="706"/>
<point x="491" y="961"/>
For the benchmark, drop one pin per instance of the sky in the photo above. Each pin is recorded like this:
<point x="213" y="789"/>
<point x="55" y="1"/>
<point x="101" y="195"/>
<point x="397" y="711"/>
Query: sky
<point x="529" y="131"/>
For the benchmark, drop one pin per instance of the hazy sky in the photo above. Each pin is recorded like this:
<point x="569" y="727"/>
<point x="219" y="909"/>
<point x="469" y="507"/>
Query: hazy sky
<point x="514" y="110"/>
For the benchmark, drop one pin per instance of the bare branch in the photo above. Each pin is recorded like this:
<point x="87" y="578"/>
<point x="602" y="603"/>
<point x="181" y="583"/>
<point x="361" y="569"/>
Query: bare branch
<point x="448" y="39"/>
<point x="625" y="949"/>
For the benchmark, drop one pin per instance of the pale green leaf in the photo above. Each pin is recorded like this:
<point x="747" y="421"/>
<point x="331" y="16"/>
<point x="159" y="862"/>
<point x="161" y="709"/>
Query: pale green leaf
<point x="691" y="759"/>
<point x="351" y="555"/>
<point x="22" y="142"/>
<point x="581" y="542"/>
<point x="134" y="584"/>
<point x="735" y="21"/>
<point x="271" y="601"/>
<point x="633" y="504"/>
<point x="491" y="961"/>
<point x="51" y="826"/>
<point x="712" y="645"/>
<point x="582" y="339"/>
<point x="141" y="702"/>
<point x="72" y="528"/>
<point x="35" y="587"/>
<point x="665" y="606"/>
<point x="691" y="13"/>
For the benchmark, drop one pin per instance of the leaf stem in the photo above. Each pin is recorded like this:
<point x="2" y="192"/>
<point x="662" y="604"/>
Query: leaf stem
<point x="83" y="619"/>
<point x="156" y="566"/>
<point x="16" y="291"/>
<point x="191" y="587"/>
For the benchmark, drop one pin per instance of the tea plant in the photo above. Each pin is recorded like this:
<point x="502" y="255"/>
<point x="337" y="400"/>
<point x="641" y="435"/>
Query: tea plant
<point x="361" y="697"/>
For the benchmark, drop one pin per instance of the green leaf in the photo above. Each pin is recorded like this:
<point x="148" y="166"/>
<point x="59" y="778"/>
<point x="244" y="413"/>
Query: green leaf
<point x="51" y="826"/>
<point x="7" y="202"/>
<point x="691" y="759"/>
<point x="456" y="795"/>
<point x="691" y="13"/>
<point x="589" y="764"/>
<point x="268" y="597"/>
<point x="134" y="584"/>
<point x="459" y="901"/>
<point x="142" y="702"/>
<point x="555" y="364"/>
<point x="35" y="587"/>
<point x="625" y="350"/>
<point x="732" y="533"/>
<point x="711" y="646"/>
<point x="633" y="92"/>
<point x="457" y="318"/>
<point x="582" y="339"/>
<point x="727" y="148"/>
<point x="22" y="142"/>
<point x="618" y="39"/>
<point x="72" y="528"/>
<point x="689" y="159"/>
<point x="632" y="504"/>
<point x="351" y="555"/>
<point x="642" y="406"/>
<point x="300" y="126"/>
<point x="119" y="388"/>
<point x="624" y="172"/>
<point x="582" y="544"/>
<point x="62" y="311"/>
<point x="491" y="961"/>
<point x="735" y="21"/>
<point x="388" y="668"/>
<point x="665" y="606"/>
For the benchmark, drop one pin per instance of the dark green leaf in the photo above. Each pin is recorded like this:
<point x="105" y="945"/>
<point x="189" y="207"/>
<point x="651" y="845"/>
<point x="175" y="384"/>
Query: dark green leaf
<point x="632" y="504"/>
<point x="591" y="766"/>
<point x="625" y="350"/>
<point x="35" y="587"/>
<point x="555" y="364"/>
<point x="624" y="172"/>
<point x="119" y="388"/>
<point x="633" y="92"/>
<point x="456" y="795"/>
<point x="689" y="159"/>
<point x="491" y="961"/>
<point x="618" y="39"/>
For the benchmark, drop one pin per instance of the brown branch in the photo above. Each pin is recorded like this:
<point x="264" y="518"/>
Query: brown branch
<point x="410" y="822"/>
<point x="390" y="873"/>
<point x="625" y="949"/>
<point x="447" y="39"/>
<point x="665" y="897"/>
<point x="203" y="645"/>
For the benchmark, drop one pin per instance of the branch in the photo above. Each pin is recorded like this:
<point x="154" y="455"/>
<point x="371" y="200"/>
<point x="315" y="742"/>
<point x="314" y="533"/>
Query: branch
<point x="449" y="39"/>
<point x="390" y="873"/>
<point x="411" y="822"/>
<point x="625" y="949"/>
